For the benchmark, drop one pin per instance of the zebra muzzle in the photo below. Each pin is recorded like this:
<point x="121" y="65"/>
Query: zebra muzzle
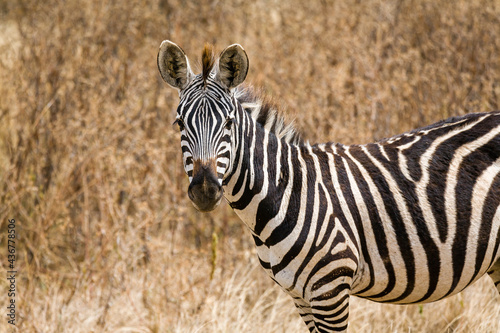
<point x="205" y="190"/>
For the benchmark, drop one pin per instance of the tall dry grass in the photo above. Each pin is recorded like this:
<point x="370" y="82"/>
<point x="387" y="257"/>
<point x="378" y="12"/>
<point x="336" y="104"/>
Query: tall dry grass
<point x="90" y="167"/>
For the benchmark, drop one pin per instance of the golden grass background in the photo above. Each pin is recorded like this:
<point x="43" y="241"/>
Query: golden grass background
<point x="91" y="169"/>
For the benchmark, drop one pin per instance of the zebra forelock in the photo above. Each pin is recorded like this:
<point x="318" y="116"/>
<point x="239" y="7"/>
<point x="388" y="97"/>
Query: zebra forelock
<point x="208" y="61"/>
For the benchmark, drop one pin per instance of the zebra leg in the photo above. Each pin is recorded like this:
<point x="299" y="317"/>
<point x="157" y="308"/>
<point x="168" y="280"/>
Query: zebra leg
<point x="305" y="313"/>
<point x="331" y="314"/>
<point x="494" y="273"/>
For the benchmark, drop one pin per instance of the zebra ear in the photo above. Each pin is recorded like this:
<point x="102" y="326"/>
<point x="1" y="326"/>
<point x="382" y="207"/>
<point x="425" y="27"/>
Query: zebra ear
<point x="174" y="65"/>
<point x="233" y="66"/>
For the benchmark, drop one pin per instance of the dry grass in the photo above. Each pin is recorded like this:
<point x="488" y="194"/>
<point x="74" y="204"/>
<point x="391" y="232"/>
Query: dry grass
<point x="91" y="170"/>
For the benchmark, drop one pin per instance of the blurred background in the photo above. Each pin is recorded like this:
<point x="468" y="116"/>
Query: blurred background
<point x="91" y="170"/>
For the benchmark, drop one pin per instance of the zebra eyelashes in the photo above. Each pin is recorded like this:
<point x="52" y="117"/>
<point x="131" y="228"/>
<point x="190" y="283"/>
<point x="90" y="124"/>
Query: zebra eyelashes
<point x="180" y="123"/>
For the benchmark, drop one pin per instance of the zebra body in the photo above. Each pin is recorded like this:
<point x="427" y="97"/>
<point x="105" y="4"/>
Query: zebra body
<point x="410" y="219"/>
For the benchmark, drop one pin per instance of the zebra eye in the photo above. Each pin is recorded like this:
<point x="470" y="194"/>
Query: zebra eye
<point x="229" y="123"/>
<point x="179" y="123"/>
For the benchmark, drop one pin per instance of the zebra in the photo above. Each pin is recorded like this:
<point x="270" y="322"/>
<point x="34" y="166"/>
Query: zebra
<point x="409" y="219"/>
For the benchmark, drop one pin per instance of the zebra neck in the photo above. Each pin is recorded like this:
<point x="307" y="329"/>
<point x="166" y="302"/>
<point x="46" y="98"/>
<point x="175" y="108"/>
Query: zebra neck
<point x="260" y="177"/>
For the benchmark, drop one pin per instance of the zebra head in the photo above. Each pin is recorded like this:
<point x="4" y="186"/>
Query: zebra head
<point x="205" y="115"/>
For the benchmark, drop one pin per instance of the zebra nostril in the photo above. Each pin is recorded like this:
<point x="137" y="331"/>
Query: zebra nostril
<point x="192" y="193"/>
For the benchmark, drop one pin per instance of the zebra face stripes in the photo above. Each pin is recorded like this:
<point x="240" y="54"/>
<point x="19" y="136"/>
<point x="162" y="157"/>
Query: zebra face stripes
<point x="410" y="219"/>
<point x="205" y="116"/>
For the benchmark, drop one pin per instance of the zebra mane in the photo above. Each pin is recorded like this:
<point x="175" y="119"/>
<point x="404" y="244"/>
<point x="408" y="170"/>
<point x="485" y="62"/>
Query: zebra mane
<point x="266" y="113"/>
